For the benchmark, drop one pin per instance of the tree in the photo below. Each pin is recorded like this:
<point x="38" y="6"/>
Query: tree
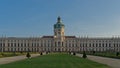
<point x="28" y="55"/>
<point x="41" y="53"/>
<point x="47" y="52"/>
<point x="74" y="53"/>
<point x="69" y="52"/>
<point x="21" y="52"/>
<point x="93" y="52"/>
<point x="2" y="54"/>
<point x="84" y="55"/>
<point x="117" y="53"/>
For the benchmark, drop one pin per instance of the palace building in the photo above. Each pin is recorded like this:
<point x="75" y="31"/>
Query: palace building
<point x="59" y="42"/>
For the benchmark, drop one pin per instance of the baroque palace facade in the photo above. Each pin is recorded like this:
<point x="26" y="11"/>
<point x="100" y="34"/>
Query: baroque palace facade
<point x="58" y="42"/>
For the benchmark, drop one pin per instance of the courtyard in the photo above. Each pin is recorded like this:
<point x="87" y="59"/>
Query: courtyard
<point x="55" y="60"/>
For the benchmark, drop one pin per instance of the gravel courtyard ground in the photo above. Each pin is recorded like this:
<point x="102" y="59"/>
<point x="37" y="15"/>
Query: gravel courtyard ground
<point x="114" y="63"/>
<point x="15" y="58"/>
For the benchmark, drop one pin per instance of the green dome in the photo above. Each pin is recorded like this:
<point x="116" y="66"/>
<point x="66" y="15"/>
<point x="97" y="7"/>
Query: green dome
<point x="59" y="24"/>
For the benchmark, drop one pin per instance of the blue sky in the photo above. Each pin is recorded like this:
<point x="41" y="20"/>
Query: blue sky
<point x="81" y="17"/>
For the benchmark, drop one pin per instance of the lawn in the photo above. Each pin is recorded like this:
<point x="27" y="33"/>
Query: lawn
<point x="55" y="61"/>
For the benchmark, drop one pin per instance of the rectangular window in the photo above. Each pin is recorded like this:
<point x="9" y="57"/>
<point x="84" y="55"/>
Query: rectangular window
<point x="90" y="44"/>
<point x="14" y="44"/>
<point x="93" y="44"/>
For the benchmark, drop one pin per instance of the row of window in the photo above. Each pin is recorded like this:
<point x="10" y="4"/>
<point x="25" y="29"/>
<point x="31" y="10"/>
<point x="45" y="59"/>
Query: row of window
<point x="60" y="44"/>
<point x="99" y="45"/>
<point x="22" y="49"/>
<point x="58" y="49"/>
<point x="25" y="41"/>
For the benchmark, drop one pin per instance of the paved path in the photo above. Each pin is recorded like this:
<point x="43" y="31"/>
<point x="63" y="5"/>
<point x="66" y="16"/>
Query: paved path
<point x="15" y="58"/>
<point x="114" y="63"/>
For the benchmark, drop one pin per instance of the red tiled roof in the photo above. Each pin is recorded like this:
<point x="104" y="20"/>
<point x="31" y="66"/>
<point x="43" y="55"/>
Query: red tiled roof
<point x="47" y="37"/>
<point x="70" y="37"/>
<point x="53" y="37"/>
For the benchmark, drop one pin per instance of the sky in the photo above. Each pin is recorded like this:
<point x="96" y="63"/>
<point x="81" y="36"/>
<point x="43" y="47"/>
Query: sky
<point x="94" y="18"/>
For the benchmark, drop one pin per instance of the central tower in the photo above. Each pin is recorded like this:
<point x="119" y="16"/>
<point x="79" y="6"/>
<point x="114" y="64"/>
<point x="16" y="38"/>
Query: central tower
<point x="59" y="31"/>
<point x="59" y="35"/>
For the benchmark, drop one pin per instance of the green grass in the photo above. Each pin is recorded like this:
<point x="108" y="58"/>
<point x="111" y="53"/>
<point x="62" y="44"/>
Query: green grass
<point x="55" y="61"/>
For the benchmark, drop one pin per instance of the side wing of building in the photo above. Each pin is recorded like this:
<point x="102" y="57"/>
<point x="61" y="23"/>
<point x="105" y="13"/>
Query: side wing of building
<point x="99" y="44"/>
<point x="15" y="44"/>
